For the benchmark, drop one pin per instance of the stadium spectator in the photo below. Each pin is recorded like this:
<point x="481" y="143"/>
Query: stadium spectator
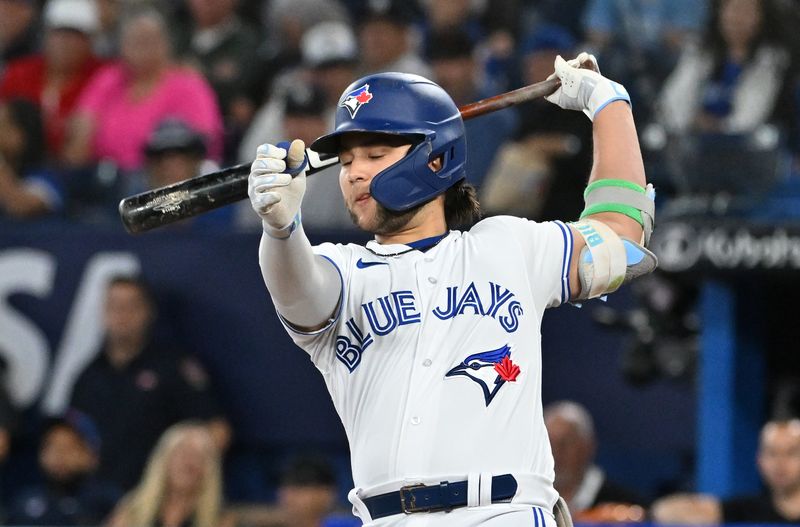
<point x="638" y="41"/>
<point x="287" y="22"/>
<point x="124" y="102"/>
<point x="135" y="389"/>
<point x="455" y="68"/>
<point x="541" y="174"/>
<point x="578" y="480"/>
<point x="330" y="55"/>
<point x="174" y="152"/>
<point x="69" y="493"/>
<point x="19" y="31"/>
<point x="54" y="78"/>
<point x="217" y="42"/>
<point x="733" y="81"/>
<point x="778" y="462"/>
<point x="181" y="485"/>
<point x="385" y="38"/>
<point x="307" y="495"/>
<point x="27" y="188"/>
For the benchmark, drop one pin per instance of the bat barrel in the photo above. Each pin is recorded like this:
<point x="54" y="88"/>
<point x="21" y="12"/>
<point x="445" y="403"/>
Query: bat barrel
<point x="152" y="209"/>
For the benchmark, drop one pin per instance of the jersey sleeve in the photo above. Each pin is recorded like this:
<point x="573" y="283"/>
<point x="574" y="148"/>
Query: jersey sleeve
<point x="321" y="344"/>
<point x="546" y="250"/>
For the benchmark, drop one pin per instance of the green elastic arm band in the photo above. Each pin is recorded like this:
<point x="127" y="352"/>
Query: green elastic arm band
<point x="624" y="183"/>
<point x="631" y="212"/>
<point x="609" y="206"/>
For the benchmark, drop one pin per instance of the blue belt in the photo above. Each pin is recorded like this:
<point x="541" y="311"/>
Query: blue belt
<point x="445" y="496"/>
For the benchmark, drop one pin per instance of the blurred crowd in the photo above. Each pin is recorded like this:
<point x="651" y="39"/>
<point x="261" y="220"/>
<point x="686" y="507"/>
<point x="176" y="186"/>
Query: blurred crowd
<point x="100" y="99"/>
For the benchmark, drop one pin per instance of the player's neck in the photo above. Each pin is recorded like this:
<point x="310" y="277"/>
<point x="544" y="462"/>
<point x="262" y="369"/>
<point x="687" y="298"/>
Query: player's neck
<point x="428" y="222"/>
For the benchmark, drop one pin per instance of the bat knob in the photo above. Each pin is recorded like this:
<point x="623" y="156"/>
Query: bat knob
<point x="293" y="156"/>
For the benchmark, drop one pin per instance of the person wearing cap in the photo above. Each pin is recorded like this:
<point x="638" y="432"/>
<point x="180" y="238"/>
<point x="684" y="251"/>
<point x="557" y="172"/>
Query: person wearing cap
<point x="329" y="59"/>
<point x="175" y="152"/>
<point x="69" y="493"/>
<point x="330" y="53"/>
<point x="55" y="78"/>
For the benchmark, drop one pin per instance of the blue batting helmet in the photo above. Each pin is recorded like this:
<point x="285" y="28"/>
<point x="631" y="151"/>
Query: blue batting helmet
<point x="406" y="105"/>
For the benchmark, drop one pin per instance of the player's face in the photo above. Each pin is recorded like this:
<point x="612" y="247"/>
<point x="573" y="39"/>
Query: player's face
<point x="779" y="457"/>
<point x="363" y="156"/>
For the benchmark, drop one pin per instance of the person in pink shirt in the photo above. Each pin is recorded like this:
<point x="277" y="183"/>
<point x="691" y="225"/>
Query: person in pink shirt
<point x="125" y="101"/>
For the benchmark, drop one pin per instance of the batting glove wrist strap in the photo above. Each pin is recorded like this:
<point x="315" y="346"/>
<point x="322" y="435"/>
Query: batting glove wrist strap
<point x="583" y="87"/>
<point x="283" y="233"/>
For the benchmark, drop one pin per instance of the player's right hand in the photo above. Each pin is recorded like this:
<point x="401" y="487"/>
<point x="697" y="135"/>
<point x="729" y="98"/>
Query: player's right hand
<point x="275" y="195"/>
<point x="582" y="87"/>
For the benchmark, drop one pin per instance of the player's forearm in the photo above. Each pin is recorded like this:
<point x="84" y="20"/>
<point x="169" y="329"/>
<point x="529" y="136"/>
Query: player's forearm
<point x="305" y="287"/>
<point x="617" y="156"/>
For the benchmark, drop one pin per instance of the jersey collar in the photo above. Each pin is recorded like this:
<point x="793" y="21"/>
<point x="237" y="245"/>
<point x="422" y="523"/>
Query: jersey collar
<point x="397" y="249"/>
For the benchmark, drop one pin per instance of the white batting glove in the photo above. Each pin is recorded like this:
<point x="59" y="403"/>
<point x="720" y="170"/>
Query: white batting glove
<point x="582" y="86"/>
<point x="274" y="194"/>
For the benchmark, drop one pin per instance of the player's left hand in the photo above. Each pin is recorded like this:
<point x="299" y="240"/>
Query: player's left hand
<point x="583" y="87"/>
<point x="276" y="194"/>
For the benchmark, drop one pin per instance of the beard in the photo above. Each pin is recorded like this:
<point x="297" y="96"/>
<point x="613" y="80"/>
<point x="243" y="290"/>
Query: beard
<point x="385" y="221"/>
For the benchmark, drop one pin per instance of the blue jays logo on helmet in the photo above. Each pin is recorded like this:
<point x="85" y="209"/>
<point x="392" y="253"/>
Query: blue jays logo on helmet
<point x="488" y="368"/>
<point x="357" y="98"/>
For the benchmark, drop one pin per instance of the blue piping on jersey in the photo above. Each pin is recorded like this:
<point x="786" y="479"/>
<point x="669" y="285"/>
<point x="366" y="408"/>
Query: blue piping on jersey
<point x="566" y="294"/>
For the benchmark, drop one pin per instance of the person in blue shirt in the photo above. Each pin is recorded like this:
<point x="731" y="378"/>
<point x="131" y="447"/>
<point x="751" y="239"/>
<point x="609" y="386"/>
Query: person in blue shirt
<point x="69" y="493"/>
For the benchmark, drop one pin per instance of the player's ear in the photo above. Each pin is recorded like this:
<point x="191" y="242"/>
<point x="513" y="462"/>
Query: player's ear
<point x="436" y="164"/>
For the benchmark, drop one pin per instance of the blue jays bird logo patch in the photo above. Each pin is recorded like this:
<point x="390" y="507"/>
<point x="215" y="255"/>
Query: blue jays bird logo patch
<point x="488" y="368"/>
<point x="357" y="98"/>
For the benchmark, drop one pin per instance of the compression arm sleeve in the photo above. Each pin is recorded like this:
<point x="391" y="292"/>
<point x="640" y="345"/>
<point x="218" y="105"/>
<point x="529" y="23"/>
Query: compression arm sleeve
<point x="304" y="286"/>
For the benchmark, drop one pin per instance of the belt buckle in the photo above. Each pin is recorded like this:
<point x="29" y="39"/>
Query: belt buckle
<point x="412" y="507"/>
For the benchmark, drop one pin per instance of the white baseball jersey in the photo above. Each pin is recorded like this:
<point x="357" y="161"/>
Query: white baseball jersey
<point x="433" y="359"/>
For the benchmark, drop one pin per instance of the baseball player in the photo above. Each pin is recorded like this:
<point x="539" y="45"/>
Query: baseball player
<point x="429" y="338"/>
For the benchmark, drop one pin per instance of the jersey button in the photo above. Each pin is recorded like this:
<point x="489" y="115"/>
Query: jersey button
<point x="415" y="420"/>
<point x="431" y="279"/>
<point x="427" y="362"/>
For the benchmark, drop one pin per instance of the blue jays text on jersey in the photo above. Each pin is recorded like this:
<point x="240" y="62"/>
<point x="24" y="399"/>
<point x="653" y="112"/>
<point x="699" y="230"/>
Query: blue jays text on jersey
<point x="386" y="313"/>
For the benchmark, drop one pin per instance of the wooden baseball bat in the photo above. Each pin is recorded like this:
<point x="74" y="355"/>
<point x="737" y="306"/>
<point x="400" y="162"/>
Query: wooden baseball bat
<point x="200" y="194"/>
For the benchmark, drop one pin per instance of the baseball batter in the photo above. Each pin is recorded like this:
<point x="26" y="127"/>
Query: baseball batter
<point x="428" y="337"/>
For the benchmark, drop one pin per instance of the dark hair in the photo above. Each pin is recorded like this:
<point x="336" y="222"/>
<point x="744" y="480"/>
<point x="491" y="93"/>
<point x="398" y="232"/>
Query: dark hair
<point x="135" y="281"/>
<point x="28" y="118"/>
<point x="308" y="471"/>
<point x="769" y="32"/>
<point x="449" y="44"/>
<point x="461" y="205"/>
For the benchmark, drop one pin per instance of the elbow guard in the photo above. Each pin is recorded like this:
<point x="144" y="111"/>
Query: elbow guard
<point x="608" y="260"/>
